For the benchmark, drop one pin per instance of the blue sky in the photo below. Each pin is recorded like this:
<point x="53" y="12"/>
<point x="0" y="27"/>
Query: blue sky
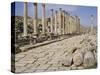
<point x="83" y="12"/>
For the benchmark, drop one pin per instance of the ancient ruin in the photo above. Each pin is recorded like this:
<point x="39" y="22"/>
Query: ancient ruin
<point x="53" y="43"/>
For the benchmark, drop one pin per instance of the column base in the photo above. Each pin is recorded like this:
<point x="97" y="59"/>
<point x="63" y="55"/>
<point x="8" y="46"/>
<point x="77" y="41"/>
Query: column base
<point x="51" y="36"/>
<point x="24" y="36"/>
<point x="42" y="37"/>
<point x="34" y="38"/>
<point x="55" y="36"/>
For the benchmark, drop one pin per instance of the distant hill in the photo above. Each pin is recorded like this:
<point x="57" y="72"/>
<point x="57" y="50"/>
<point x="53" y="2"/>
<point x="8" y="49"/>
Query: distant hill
<point x="20" y="18"/>
<point x="14" y="19"/>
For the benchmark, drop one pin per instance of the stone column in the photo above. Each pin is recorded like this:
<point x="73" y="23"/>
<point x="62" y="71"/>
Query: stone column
<point x="66" y="22"/>
<point x="35" y="18"/>
<point x="25" y="20"/>
<point x="60" y="20"/>
<point x="68" y="26"/>
<point x="63" y="23"/>
<point x="75" y="24"/>
<point x="55" y="27"/>
<point x="91" y="25"/>
<point x="43" y="18"/>
<point x="71" y="25"/>
<point x="51" y="26"/>
<point x="78" y="25"/>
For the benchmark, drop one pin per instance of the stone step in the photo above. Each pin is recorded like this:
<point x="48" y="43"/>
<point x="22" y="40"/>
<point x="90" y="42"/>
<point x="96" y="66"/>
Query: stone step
<point x="28" y="47"/>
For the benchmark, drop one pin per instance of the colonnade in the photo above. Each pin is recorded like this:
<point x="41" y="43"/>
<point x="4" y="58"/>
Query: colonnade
<point x="60" y="21"/>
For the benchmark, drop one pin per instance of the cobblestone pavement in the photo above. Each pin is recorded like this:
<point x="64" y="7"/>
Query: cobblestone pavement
<point x="47" y="57"/>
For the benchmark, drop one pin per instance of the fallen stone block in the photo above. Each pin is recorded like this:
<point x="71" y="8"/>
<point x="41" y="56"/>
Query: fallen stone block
<point x="77" y="58"/>
<point x="73" y="67"/>
<point x="67" y="61"/>
<point x="89" y="59"/>
<point x="80" y="67"/>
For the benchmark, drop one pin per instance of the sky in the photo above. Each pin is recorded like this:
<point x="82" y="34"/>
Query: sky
<point x="83" y="12"/>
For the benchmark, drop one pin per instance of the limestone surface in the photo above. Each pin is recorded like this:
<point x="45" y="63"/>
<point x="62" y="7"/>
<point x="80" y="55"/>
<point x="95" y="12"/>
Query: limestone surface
<point x="78" y="52"/>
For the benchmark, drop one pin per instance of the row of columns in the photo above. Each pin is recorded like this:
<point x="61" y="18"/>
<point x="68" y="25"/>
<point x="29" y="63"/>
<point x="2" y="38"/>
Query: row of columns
<point x="67" y="23"/>
<point x="62" y="24"/>
<point x="35" y="20"/>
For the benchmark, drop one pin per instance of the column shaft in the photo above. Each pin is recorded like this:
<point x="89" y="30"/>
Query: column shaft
<point x="91" y="19"/>
<point x="55" y="27"/>
<point x="51" y="21"/>
<point x="60" y="21"/>
<point x="65" y="23"/>
<point x="63" y="27"/>
<point x="43" y="18"/>
<point x="78" y="25"/>
<point x="25" y="20"/>
<point x="35" y="18"/>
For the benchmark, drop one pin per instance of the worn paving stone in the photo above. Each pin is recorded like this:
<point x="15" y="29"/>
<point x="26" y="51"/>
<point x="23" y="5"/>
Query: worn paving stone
<point x="17" y="59"/>
<point x="44" y="67"/>
<point x="52" y="68"/>
<point x="19" y="69"/>
<point x="20" y="56"/>
<point x="64" y="68"/>
<point x="27" y="61"/>
<point x="51" y="57"/>
<point x="43" y="60"/>
<point x="80" y="67"/>
<point x="17" y="64"/>
<point x="73" y="67"/>
<point x="31" y="67"/>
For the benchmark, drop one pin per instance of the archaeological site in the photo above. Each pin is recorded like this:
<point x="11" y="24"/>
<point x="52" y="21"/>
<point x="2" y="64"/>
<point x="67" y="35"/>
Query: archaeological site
<point x="52" y="37"/>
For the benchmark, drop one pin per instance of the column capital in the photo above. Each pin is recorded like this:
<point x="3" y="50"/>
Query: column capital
<point x="51" y="10"/>
<point x="63" y="11"/>
<point x="91" y="16"/>
<point x="56" y="11"/>
<point x="43" y="4"/>
<point x="66" y="12"/>
<point x="76" y="16"/>
<point x="25" y="2"/>
<point x="35" y="3"/>
<point x="60" y="9"/>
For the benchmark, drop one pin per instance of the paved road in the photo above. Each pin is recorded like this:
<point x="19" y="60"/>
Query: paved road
<point x="47" y="57"/>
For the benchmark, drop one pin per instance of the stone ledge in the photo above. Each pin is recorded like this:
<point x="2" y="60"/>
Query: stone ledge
<point x="28" y="47"/>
